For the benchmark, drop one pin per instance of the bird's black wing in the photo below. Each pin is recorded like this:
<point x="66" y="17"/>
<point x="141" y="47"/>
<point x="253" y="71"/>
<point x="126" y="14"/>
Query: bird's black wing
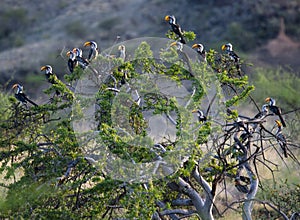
<point x="90" y="54"/>
<point x="23" y="98"/>
<point x="177" y="30"/>
<point x="71" y="65"/>
<point x="282" y="143"/>
<point x="234" y="56"/>
<point x="277" y="111"/>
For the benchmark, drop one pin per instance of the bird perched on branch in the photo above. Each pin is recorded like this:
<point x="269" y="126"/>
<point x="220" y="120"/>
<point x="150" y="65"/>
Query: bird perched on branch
<point x="263" y="113"/>
<point x="50" y="76"/>
<point x="260" y="116"/>
<point x="178" y="45"/>
<point x="175" y="27"/>
<point x="58" y="85"/>
<point x="21" y="96"/>
<point x="240" y="187"/>
<point x="183" y="55"/>
<point x="233" y="56"/>
<point x="281" y="138"/>
<point x="122" y="52"/>
<point x="83" y="63"/>
<point x="200" y="114"/>
<point x="229" y="50"/>
<point x="200" y="50"/>
<point x="72" y="62"/>
<point x="93" y="49"/>
<point x="275" y="109"/>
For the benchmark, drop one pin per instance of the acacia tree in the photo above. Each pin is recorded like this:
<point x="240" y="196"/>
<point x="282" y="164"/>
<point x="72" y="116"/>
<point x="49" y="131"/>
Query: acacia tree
<point x="84" y="154"/>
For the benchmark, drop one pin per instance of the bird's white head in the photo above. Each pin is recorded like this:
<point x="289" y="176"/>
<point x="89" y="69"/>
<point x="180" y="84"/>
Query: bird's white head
<point x="271" y="101"/>
<point x="77" y="51"/>
<point x="227" y="47"/>
<point x="198" y="47"/>
<point x="47" y="68"/>
<point x="170" y="18"/>
<point x="18" y="87"/>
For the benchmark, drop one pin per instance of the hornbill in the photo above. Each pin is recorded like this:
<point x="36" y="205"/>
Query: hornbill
<point x="281" y="138"/>
<point x="184" y="56"/>
<point x="200" y="49"/>
<point x="93" y="49"/>
<point x="175" y="27"/>
<point x="263" y="113"/>
<point x="260" y="116"/>
<point x="233" y="56"/>
<point x="200" y="114"/>
<point x="122" y="52"/>
<point x="240" y="187"/>
<point x="83" y="63"/>
<point x="51" y="77"/>
<point x="21" y="96"/>
<point x="72" y="62"/>
<point x="275" y="109"/>
<point x="228" y="49"/>
<point x="179" y="45"/>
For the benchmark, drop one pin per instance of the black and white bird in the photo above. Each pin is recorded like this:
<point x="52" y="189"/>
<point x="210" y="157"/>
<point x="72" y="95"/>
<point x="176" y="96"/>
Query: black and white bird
<point x="228" y="48"/>
<point x="281" y="138"/>
<point x="241" y="187"/>
<point x="122" y="52"/>
<point x="72" y="62"/>
<point x="94" y="51"/>
<point x="21" y="96"/>
<point x="275" y="109"/>
<point x="200" y="115"/>
<point x="260" y="116"/>
<point x="263" y="113"/>
<point x="178" y="45"/>
<point x="50" y="76"/>
<point x="175" y="27"/>
<point x="82" y="62"/>
<point x="200" y="50"/>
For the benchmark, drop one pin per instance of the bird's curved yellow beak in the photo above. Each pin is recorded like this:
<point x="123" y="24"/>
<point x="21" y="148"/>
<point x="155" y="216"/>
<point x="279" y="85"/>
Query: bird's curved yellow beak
<point x="14" y="86"/>
<point x="43" y="68"/>
<point x="173" y="44"/>
<point x="223" y="47"/>
<point x="195" y="110"/>
<point x="88" y="43"/>
<point x="278" y="123"/>
<point x="68" y="53"/>
<point x="121" y="47"/>
<point x="267" y="99"/>
<point x="167" y="18"/>
<point x="74" y="50"/>
<point x="195" y="46"/>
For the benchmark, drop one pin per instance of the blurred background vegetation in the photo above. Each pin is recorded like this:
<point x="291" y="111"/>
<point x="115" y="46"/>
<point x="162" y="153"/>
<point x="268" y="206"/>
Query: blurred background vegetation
<point x="34" y="33"/>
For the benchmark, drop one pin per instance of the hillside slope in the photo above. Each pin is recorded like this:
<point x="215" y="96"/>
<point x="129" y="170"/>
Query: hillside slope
<point x="35" y="32"/>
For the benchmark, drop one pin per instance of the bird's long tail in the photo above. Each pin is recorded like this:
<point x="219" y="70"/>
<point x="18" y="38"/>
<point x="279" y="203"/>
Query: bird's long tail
<point x="284" y="151"/>
<point x="282" y="120"/>
<point x="182" y="40"/>
<point x="33" y="103"/>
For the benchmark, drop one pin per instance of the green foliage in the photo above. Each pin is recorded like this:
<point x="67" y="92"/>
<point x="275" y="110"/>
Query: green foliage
<point x="268" y="82"/>
<point x="188" y="35"/>
<point x="61" y="182"/>
<point x="286" y="197"/>
<point x="204" y="132"/>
